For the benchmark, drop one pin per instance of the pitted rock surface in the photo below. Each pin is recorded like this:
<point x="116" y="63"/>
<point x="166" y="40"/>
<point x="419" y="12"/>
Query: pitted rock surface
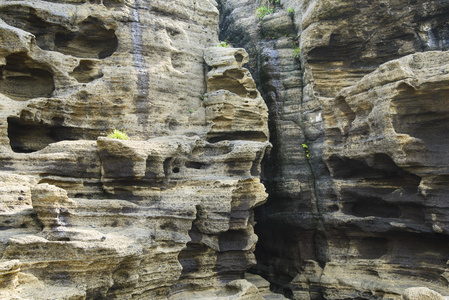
<point x="357" y="177"/>
<point x="167" y="214"/>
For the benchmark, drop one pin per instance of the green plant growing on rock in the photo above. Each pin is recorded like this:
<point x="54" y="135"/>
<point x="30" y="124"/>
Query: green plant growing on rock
<point x="306" y="149"/>
<point x="291" y="11"/>
<point x="223" y="44"/>
<point x="296" y="53"/>
<point x="262" y="11"/>
<point x="118" y="134"/>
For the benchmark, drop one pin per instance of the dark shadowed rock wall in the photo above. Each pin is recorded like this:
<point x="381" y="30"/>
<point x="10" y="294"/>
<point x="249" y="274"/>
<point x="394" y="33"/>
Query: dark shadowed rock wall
<point x="357" y="177"/>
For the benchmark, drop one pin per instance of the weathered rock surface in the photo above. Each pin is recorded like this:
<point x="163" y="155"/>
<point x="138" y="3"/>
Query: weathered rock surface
<point x="358" y="122"/>
<point x="421" y="293"/>
<point x="166" y="214"/>
<point x="357" y="178"/>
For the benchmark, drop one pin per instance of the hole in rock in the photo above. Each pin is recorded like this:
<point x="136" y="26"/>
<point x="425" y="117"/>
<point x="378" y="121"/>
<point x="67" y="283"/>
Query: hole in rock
<point x="369" y="206"/>
<point x="253" y="94"/>
<point x="26" y="137"/>
<point x="63" y="239"/>
<point x="238" y="57"/>
<point x="196" y="165"/>
<point x="176" y="170"/>
<point x="381" y="167"/>
<point x="168" y="162"/>
<point x="347" y="45"/>
<point x="195" y="260"/>
<point x="227" y="82"/>
<point x="86" y="71"/>
<point x="112" y="3"/>
<point x="23" y="79"/>
<point x="187" y="257"/>
<point x="92" y="40"/>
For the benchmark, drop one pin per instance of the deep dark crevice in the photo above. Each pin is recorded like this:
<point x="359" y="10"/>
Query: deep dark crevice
<point x="22" y="78"/>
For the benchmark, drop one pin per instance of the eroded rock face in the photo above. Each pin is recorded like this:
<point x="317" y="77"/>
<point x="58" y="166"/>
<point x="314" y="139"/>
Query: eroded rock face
<point x="166" y="214"/>
<point x="74" y="69"/>
<point x="356" y="176"/>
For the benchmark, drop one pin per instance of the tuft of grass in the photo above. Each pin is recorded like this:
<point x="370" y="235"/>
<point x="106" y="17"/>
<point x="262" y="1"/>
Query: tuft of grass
<point x="262" y="11"/>
<point x="118" y="134"/>
<point x="223" y="44"/>
<point x="296" y="53"/>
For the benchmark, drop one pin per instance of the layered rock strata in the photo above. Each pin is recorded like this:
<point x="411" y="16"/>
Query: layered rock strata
<point x="356" y="207"/>
<point x="165" y="214"/>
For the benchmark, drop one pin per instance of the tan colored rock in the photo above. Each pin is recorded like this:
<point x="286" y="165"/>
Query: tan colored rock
<point x="421" y="293"/>
<point x="226" y="57"/>
<point x="263" y="287"/>
<point x="167" y="214"/>
<point x="8" y="274"/>
<point x="234" y="107"/>
<point x="51" y="204"/>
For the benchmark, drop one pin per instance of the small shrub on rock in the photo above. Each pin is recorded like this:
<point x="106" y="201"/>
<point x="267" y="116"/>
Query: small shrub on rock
<point x="118" y="134"/>
<point x="262" y="11"/>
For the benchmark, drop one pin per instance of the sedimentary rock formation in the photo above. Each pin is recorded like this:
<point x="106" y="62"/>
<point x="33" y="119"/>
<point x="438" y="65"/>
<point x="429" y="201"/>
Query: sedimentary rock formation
<point x="357" y="173"/>
<point x="165" y="214"/>
<point x="357" y="178"/>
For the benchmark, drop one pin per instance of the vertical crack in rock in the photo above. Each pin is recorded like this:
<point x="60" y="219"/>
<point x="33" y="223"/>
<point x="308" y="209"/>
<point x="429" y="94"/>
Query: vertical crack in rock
<point x="142" y="105"/>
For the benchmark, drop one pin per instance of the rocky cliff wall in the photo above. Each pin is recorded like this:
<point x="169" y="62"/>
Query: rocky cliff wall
<point x="357" y="177"/>
<point x="166" y="214"/>
<point x="357" y="174"/>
